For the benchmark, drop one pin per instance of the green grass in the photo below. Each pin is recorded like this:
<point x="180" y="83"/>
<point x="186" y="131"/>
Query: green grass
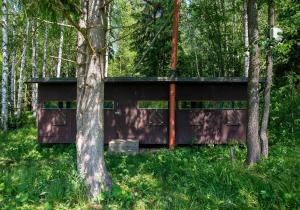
<point x="44" y="177"/>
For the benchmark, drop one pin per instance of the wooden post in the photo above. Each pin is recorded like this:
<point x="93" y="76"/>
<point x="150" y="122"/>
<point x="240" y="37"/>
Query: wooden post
<point x="172" y="94"/>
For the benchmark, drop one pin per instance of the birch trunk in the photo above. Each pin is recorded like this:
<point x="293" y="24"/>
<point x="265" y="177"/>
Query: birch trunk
<point x="45" y="52"/>
<point x="268" y="85"/>
<point x="21" y="79"/>
<point x="4" y="113"/>
<point x="61" y="43"/>
<point x="13" y="59"/>
<point x="34" y="69"/>
<point x="246" y="41"/>
<point x="253" y="146"/>
<point x="90" y="93"/>
<point x="37" y="49"/>
<point x="107" y="39"/>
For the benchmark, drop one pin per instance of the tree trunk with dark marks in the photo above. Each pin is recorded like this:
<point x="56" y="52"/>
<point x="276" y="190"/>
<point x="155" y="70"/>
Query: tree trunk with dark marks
<point x="246" y="41"/>
<point x="13" y="58"/>
<point x="253" y="142"/>
<point x="22" y="69"/>
<point x="4" y="82"/>
<point x="45" y="52"/>
<point x="90" y="97"/>
<point x="267" y="91"/>
<point x="34" y="68"/>
<point x="60" y="51"/>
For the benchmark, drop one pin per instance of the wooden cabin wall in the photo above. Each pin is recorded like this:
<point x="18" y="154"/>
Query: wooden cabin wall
<point x="125" y="120"/>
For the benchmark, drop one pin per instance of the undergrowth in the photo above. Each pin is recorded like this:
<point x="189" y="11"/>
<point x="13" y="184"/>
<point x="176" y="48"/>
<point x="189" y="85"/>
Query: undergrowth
<point x="44" y="177"/>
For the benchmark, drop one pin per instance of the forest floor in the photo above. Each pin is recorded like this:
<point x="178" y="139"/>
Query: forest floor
<point x="34" y="176"/>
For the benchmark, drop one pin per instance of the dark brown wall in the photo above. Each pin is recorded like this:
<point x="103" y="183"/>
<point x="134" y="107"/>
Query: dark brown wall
<point x="149" y="126"/>
<point x="66" y="92"/>
<point x="211" y="91"/>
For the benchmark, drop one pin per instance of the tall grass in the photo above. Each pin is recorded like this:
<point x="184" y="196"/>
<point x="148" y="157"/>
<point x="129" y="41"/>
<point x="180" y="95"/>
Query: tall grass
<point x="44" y="177"/>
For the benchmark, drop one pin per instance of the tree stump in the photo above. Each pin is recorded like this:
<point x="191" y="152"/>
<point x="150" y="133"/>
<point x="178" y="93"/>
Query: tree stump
<point x="128" y="146"/>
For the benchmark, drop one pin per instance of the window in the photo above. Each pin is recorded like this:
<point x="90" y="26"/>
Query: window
<point x="71" y="105"/>
<point x="240" y="104"/>
<point x="190" y="104"/>
<point x="153" y="104"/>
<point x="212" y="104"/>
<point x="109" y="105"/>
<point x="60" y="105"/>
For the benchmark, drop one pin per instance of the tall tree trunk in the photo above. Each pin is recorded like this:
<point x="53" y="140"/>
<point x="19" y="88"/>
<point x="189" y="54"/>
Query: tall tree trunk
<point x="4" y="113"/>
<point x="13" y="59"/>
<point x="267" y="91"/>
<point x="90" y="93"/>
<point x="45" y="52"/>
<point x="107" y="39"/>
<point x="246" y="41"/>
<point x="253" y="146"/>
<point x="37" y="49"/>
<point x="60" y="51"/>
<point x="21" y="79"/>
<point x="34" y="68"/>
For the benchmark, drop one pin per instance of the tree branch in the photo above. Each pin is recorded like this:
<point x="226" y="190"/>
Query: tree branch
<point x="55" y="23"/>
<point x="81" y="30"/>
<point x="51" y="56"/>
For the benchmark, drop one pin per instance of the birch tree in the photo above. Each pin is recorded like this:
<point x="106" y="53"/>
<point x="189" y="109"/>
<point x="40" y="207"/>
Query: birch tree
<point x="267" y="90"/>
<point x="34" y="68"/>
<point x="36" y="37"/>
<point x="246" y="40"/>
<point x="107" y="38"/>
<point x="60" y="51"/>
<point x="253" y="145"/>
<point x="13" y="58"/>
<point x="4" y="114"/>
<point x="22" y="68"/>
<point x="45" y="52"/>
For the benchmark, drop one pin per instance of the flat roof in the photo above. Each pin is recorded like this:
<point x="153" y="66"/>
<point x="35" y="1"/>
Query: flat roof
<point x="149" y="80"/>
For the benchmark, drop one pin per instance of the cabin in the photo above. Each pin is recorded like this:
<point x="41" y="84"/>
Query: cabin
<point x="208" y="110"/>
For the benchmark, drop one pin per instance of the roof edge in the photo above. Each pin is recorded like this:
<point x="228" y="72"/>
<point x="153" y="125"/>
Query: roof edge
<point x="150" y="80"/>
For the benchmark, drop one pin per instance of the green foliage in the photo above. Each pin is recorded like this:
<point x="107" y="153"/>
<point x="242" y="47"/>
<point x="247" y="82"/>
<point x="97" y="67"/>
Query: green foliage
<point x="285" y="110"/>
<point x="121" y="58"/>
<point x="193" y="178"/>
<point x="34" y="176"/>
<point x="288" y="52"/>
<point x="26" y="118"/>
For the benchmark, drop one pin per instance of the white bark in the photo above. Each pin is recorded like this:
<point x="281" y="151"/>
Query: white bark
<point x="13" y="59"/>
<point x="60" y="51"/>
<point x="21" y="79"/>
<point x="4" y="113"/>
<point x="45" y="52"/>
<point x="37" y="49"/>
<point x="107" y="39"/>
<point x="34" y="69"/>
<point x="90" y="93"/>
<point x="246" y="41"/>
